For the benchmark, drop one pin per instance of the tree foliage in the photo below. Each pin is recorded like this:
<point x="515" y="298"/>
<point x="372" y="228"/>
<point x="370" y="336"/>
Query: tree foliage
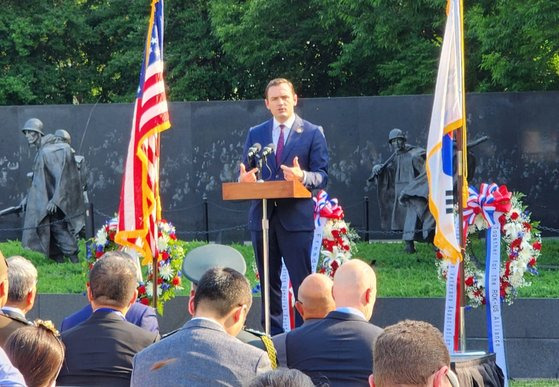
<point x="84" y="51"/>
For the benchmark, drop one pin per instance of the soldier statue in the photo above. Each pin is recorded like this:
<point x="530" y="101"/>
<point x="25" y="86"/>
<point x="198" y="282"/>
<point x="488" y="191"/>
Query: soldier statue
<point x="82" y="169"/>
<point x="403" y="192"/>
<point x="54" y="205"/>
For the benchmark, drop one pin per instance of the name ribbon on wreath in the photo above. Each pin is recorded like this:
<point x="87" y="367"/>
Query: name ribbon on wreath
<point x="491" y="202"/>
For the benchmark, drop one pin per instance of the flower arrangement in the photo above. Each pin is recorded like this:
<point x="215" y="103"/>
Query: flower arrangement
<point x="522" y="241"/>
<point x="338" y="239"/>
<point x="169" y="266"/>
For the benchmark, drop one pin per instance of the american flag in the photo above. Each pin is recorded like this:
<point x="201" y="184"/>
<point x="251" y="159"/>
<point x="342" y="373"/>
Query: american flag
<point x="140" y="207"/>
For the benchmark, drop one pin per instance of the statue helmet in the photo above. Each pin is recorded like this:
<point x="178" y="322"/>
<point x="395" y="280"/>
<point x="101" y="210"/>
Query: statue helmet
<point x="33" y="125"/>
<point x="64" y="135"/>
<point x="396" y="133"/>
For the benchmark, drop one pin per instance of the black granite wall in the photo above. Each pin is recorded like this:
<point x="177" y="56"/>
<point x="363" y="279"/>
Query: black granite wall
<point x="203" y="148"/>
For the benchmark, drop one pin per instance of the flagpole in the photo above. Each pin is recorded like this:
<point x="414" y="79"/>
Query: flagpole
<point x="461" y="184"/>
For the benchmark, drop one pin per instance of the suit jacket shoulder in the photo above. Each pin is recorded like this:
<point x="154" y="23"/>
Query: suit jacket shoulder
<point x="201" y="353"/>
<point x="100" y="350"/>
<point x="337" y="350"/>
<point x="8" y="325"/>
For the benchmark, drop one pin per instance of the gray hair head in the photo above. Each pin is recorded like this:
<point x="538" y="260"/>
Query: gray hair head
<point x="22" y="278"/>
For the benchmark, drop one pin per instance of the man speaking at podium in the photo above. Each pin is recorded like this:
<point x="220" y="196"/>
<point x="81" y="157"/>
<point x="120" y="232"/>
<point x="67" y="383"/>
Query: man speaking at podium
<point x="300" y="154"/>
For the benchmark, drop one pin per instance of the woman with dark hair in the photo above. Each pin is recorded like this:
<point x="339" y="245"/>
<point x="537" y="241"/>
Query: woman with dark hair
<point x="37" y="352"/>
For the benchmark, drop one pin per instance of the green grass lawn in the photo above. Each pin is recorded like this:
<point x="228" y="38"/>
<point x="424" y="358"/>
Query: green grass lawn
<point x="399" y="274"/>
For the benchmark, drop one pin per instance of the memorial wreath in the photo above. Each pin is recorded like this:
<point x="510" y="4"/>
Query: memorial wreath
<point x="338" y="238"/>
<point x="170" y="263"/>
<point x="521" y="237"/>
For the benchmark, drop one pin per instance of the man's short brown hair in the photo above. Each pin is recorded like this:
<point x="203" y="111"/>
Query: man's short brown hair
<point x="222" y="289"/>
<point x="112" y="279"/>
<point x="408" y="353"/>
<point x="278" y="81"/>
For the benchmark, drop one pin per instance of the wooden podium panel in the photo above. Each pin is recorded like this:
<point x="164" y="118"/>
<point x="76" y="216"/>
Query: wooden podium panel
<point x="281" y="189"/>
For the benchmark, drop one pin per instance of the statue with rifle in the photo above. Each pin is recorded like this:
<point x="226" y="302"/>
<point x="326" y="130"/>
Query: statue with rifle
<point x="54" y="204"/>
<point x="403" y="192"/>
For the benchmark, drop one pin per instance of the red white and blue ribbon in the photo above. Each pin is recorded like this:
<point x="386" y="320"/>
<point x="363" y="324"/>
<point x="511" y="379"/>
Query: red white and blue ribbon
<point x="495" y="333"/>
<point x="324" y="207"/>
<point x="450" y="309"/>
<point x="490" y="202"/>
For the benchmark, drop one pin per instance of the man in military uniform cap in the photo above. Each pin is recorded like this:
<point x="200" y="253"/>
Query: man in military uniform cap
<point x="403" y="191"/>
<point x="203" y="258"/>
<point x="54" y="204"/>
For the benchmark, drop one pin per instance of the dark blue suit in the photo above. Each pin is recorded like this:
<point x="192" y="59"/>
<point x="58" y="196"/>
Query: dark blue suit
<point x="291" y="220"/>
<point x="138" y="314"/>
<point x="337" y="350"/>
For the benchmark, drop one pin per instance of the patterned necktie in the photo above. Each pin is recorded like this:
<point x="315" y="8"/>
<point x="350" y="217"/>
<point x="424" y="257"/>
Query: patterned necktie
<point x="279" y="148"/>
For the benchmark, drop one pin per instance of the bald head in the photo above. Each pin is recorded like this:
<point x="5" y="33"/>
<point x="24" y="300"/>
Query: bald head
<point x="315" y="297"/>
<point x="355" y="286"/>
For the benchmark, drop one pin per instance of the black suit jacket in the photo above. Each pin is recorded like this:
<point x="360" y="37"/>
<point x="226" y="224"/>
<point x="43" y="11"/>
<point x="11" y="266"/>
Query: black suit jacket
<point x="99" y="351"/>
<point x="337" y="349"/>
<point x="9" y="323"/>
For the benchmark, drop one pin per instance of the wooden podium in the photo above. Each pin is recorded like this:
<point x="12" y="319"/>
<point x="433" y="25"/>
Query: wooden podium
<point x="264" y="190"/>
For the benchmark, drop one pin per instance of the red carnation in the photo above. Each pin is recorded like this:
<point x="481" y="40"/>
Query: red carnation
<point x="502" y="220"/>
<point x="504" y="286"/>
<point x="335" y="265"/>
<point x="514" y="215"/>
<point x="507" y="269"/>
<point x="98" y="254"/>
<point x="144" y="301"/>
<point x="469" y="281"/>
<point x="159" y="281"/>
<point x="515" y="243"/>
<point x="537" y="246"/>
<point x="346" y="247"/>
<point x="173" y="236"/>
<point x="532" y="262"/>
<point x="343" y="230"/>
<point x="335" y="234"/>
<point x="439" y="254"/>
<point x="142" y="289"/>
<point x="165" y="255"/>
<point x="527" y="226"/>
<point x="176" y="281"/>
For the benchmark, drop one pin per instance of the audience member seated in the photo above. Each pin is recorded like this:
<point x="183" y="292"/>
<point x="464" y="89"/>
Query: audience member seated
<point x="9" y="375"/>
<point x="139" y="314"/>
<point x="412" y="353"/>
<point x="203" y="258"/>
<point x="204" y="352"/>
<point x="338" y="349"/>
<point x="100" y="350"/>
<point x="314" y="303"/>
<point x="37" y="352"/>
<point x="22" y="280"/>
<point x="282" y="377"/>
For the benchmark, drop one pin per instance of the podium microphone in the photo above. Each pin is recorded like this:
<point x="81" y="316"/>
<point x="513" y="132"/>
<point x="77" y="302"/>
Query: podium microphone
<point x="253" y="150"/>
<point x="252" y="154"/>
<point x="268" y="150"/>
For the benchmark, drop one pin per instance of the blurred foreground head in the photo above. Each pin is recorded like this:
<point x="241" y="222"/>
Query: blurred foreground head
<point x="411" y="353"/>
